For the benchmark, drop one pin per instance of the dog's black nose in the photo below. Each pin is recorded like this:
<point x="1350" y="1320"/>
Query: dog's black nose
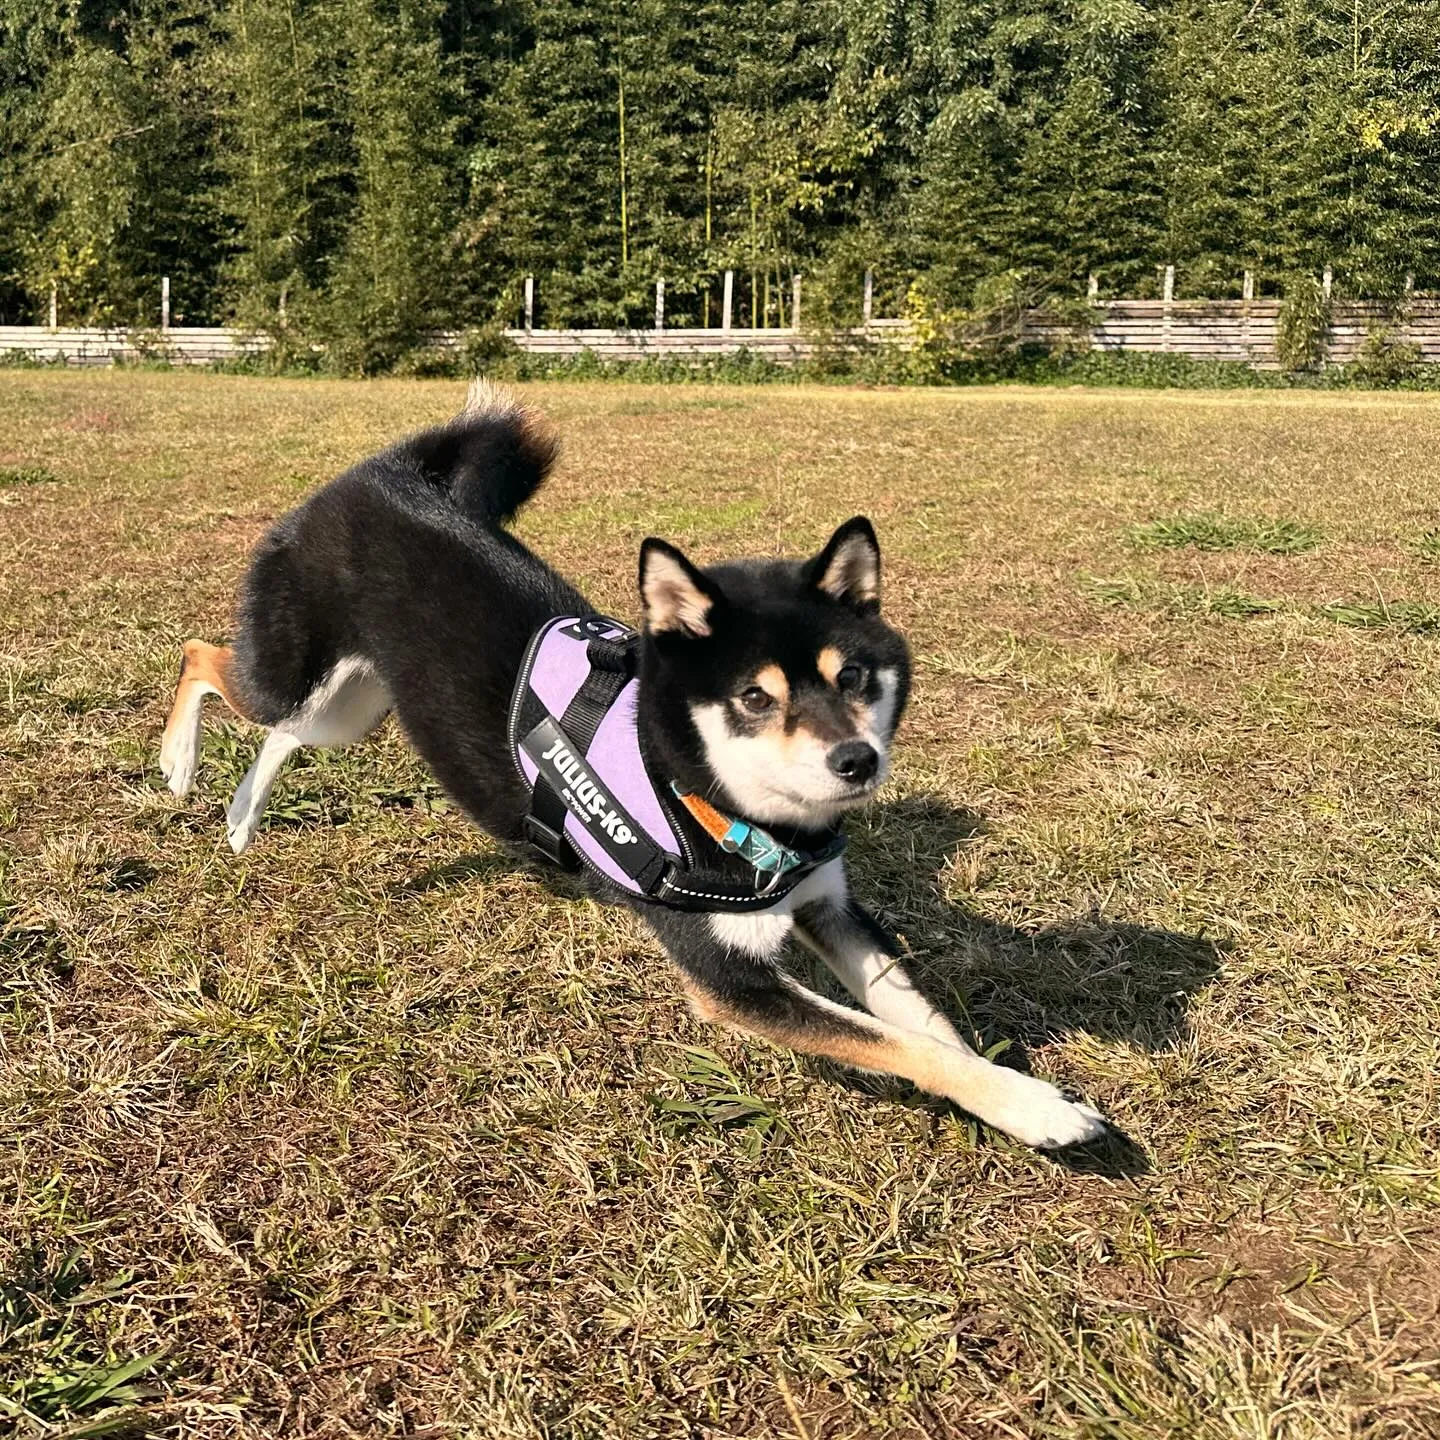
<point x="854" y="761"/>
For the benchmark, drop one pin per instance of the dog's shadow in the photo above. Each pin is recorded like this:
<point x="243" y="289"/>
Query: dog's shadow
<point x="998" y="982"/>
<point x="1106" y="978"/>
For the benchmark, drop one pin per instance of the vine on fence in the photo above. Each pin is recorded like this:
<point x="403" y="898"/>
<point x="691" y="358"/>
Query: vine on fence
<point x="1004" y="313"/>
<point x="1303" y="325"/>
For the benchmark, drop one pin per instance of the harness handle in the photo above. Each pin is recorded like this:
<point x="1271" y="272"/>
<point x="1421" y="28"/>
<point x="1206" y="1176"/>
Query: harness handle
<point x="615" y="656"/>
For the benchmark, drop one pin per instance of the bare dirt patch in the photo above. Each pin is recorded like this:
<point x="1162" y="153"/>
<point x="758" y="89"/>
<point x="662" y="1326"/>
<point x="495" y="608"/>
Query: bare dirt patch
<point x="104" y="422"/>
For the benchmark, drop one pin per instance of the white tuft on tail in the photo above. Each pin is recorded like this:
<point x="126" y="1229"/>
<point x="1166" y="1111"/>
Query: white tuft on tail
<point x="487" y="398"/>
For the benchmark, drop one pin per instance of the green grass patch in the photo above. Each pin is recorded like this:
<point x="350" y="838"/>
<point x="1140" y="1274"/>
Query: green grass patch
<point x="1427" y="546"/>
<point x="716" y="1100"/>
<point x="16" y="475"/>
<point x="1409" y="616"/>
<point x="1226" y="601"/>
<point x="54" y="1378"/>
<point x="1225" y="532"/>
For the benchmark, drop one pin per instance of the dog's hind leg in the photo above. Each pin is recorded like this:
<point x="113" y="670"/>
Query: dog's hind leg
<point x="346" y="706"/>
<point x="242" y="819"/>
<point x="205" y="670"/>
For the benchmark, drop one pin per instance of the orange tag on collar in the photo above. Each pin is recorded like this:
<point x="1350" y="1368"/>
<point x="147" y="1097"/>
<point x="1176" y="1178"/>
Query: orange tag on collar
<point x="711" y="821"/>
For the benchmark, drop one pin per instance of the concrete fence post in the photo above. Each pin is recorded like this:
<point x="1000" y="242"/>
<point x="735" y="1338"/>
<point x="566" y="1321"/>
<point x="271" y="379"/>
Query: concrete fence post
<point x="795" y="304"/>
<point x="867" y="305"/>
<point x="164" y="302"/>
<point x="529" y="303"/>
<point x="660" y="306"/>
<point x="54" y="304"/>
<point x="729" y="301"/>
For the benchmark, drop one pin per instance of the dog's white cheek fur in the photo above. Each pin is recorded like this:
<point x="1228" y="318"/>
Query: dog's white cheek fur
<point x="754" y="770"/>
<point x="882" y="712"/>
<point x="789" y="786"/>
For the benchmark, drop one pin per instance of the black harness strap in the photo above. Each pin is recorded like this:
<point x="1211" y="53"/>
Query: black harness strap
<point x="545" y="826"/>
<point x="612" y="664"/>
<point x="611" y="667"/>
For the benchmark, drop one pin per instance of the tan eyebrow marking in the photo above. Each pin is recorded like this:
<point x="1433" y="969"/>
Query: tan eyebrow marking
<point x="830" y="662"/>
<point x="771" y="679"/>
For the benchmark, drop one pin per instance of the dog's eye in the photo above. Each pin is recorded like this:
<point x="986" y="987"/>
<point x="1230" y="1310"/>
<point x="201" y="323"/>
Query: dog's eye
<point x="850" y="678"/>
<point x="756" y="700"/>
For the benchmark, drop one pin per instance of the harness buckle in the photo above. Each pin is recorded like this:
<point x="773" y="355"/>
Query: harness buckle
<point x="616" y="656"/>
<point x="552" y="844"/>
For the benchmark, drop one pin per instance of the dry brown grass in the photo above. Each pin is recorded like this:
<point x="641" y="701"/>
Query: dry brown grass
<point x="366" y="1133"/>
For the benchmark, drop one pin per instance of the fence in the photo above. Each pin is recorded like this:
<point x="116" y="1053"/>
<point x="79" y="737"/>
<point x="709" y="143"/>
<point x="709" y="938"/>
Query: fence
<point x="1240" y="330"/>
<point x="1244" y="330"/>
<point x="81" y="345"/>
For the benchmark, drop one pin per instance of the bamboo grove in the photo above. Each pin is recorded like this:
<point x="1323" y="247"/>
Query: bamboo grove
<point x="363" y="171"/>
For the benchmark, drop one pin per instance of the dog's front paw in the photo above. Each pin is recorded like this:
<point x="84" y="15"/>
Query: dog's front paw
<point x="1035" y="1112"/>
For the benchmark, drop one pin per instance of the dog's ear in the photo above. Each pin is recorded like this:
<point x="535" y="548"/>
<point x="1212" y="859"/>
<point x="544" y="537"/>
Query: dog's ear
<point x="678" y="599"/>
<point x="848" y="568"/>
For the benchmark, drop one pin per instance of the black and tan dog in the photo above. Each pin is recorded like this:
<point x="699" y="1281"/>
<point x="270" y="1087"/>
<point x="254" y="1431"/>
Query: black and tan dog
<point x="763" y="697"/>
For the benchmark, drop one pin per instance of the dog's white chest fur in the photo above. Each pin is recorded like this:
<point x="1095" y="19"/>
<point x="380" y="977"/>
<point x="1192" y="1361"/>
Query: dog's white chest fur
<point x="762" y="932"/>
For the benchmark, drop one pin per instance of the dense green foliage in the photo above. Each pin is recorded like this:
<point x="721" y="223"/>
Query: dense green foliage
<point x="361" y="171"/>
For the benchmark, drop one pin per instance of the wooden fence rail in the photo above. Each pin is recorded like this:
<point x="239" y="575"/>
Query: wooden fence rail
<point x="1245" y="329"/>
<point x="1242" y="330"/>
<point x="81" y="345"/>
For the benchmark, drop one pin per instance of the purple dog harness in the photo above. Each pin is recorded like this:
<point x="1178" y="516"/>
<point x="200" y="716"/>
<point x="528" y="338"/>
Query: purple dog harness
<point x="594" y="804"/>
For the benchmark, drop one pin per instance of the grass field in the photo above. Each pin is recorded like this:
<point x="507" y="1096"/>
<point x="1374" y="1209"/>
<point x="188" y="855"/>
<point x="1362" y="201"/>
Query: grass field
<point x="368" y="1133"/>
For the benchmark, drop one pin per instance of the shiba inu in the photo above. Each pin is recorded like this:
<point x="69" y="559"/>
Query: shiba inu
<point x="697" y="769"/>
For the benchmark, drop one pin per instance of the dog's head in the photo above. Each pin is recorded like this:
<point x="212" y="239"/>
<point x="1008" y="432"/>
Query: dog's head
<point x="779" y="678"/>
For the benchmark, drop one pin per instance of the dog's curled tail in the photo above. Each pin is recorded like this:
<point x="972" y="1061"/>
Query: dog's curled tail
<point x="492" y="457"/>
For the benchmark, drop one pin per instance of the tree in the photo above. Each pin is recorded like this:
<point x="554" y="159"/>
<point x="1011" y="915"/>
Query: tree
<point x="109" y="174"/>
<point x="1035" y="160"/>
<point x="1303" y="135"/>
<point x="284" y="157"/>
<point x="396" y="275"/>
<point x="379" y="168"/>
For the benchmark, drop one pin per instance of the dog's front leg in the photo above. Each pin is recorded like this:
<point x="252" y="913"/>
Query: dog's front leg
<point x="733" y="977"/>
<point x="865" y="958"/>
